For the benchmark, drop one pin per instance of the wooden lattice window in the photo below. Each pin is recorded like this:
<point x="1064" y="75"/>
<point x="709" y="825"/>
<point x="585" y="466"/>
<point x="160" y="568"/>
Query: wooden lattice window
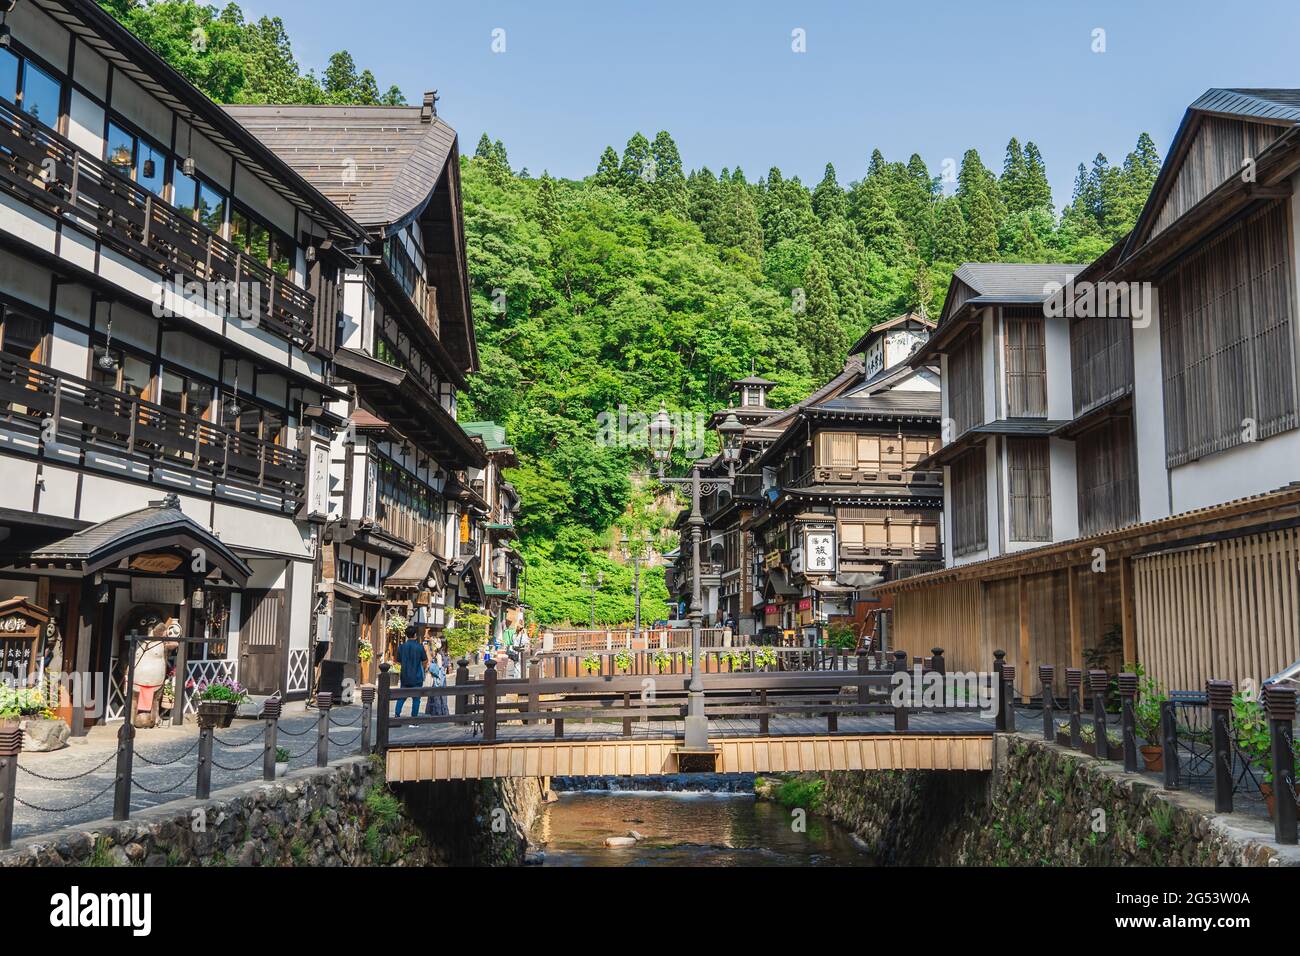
<point x="969" y="503"/>
<point x="1227" y="338"/>
<point x="966" y="384"/>
<point x="1107" y="468"/>
<point x="1030" y="478"/>
<point x="1026" y="357"/>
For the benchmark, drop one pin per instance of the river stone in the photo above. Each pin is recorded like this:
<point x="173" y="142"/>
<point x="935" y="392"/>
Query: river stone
<point x="41" y="736"/>
<point x="635" y="836"/>
<point x="619" y="841"/>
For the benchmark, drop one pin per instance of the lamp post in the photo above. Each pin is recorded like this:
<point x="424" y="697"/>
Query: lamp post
<point x="661" y="436"/>
<point x="636" y="549"/>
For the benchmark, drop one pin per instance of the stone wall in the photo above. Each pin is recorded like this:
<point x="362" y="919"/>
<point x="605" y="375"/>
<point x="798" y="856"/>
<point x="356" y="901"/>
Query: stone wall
<point x="1042" y="805"/>
<point x="339" y="816"/>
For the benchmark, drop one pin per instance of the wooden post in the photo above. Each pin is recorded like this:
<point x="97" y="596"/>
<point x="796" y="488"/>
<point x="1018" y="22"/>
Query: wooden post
<point x="1009" y="696"/>
<point x="627" y="720"/>
<point x="382" y="705"/>
<point x="559" y="727"/>
<point x="1127" y="612"/>
<point x="11" y="744"/>
<point x="900" y="718"/>
<point x="1046" y="672"/>
<point x="525" y="694"/>
<point x="1219" y="693"/>
<point x="490" y="702"/>
<point x="1281" y="704"/>
<point x="1074" y="685"/>
<point x="462" y="678"/>
<point x="1128" y="687"/>
<point x="999" y="662"/>
<point x="863" y="667"/>
<point x="87" y="610"/>
<point x="763" y="723"/>
<point x="1076" y="619"/>
<point x="125" y="759"/>
<point x="940" y="667"/>
<point x="1097" y="682"/>
<point x="1023" y="597"/>
<point x="270" y="722"/>
<point x="1169" y="743"/>
<point x="900" y="661"/>
<point x="179" y="681"/>
<point x="203" y="782"/>
<point x="324" y="701"/>
<point x="367" y="703"/>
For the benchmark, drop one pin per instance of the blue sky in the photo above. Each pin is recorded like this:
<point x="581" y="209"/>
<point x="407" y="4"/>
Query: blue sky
<point x="934" y="77"/>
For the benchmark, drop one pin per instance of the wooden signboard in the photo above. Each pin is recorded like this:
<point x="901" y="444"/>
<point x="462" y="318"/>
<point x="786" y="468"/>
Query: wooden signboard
<point x="22" y="626"/>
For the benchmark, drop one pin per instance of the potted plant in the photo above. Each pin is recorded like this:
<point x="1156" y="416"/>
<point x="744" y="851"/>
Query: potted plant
<point x="365" y="654"/>
<point x="1063" y="734"/>
<point x="1088" y="734"/>
<point x="217" y="702"/>
<point x="591" y="663"/>
<point x="1250" y="724"/>
<point x="25" y="707"/>
<point x="1146" y="713"/>
<point x="765" y="659"/>
<point x="662" y="661"/>
<point x="623" y="661"/>
<point x="281" y="761"/>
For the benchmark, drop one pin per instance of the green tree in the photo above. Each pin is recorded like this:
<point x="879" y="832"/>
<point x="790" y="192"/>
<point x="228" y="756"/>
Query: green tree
<point x="822" y="330"/>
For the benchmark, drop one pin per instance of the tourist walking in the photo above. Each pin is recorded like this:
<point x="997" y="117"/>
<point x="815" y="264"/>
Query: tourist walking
<point x="411" y="658"/>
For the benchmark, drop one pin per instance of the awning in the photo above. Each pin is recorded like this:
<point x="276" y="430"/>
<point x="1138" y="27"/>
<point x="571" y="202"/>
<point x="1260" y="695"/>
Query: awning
<point x="779" y="585"/>
<point x="832" y="587"/>
<point x="860" y="579"/>
<point x="161" y="527"/>
<point x="416" y="571"/>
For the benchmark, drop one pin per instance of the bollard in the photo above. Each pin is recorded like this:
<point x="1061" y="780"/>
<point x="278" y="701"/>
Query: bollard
<point x="627" y="719"/>
<point x="999" y="661"/>
<point x="939" y="667"/>
<point x="1169" y="743"/>
<point x="367" y="702"/>
<point x="1097" y="683"/>
<point x="1219" y="693"/>
<point x="122" y="781"/>
<point x="1128" y="688"/>
<point x="490" y="702"/>
<point x="324" y="701"/>
<point x="1046" y="674"/>
<point x="11" y="744"/>
<point x="385" y="690"/>
<point x="900" y="661"/>
<point x="1009" y="697"/>
<point x="1280" y="702"/>
<point x="270" y="719"/>
<point x="763" y="722"/>
<point x="1074" y="684"/>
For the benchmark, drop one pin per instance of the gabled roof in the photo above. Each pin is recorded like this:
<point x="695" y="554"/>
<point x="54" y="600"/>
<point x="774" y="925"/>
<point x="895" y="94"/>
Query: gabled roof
<point x="1013" y="279"/>
<point x="160" y="525"/>
<point x="1263" y="105"/>
<point x="777" y="424"/>
<point x="906" y="318"/>
<point x="378" y="163"/>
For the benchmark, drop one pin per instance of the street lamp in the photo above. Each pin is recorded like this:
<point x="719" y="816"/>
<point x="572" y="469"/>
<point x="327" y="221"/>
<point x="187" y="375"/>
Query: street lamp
<point x="661" y="436"/>
<point x="636" y="549"/>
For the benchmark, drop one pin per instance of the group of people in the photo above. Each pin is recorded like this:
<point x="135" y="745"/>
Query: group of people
<point x="419" y="666"/>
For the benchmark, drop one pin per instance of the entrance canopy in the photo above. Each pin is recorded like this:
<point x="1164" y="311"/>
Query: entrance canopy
<point x="149" y="540"/>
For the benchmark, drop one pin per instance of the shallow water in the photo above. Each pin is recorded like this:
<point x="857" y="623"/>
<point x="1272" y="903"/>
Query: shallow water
<point x="687" y="829"/>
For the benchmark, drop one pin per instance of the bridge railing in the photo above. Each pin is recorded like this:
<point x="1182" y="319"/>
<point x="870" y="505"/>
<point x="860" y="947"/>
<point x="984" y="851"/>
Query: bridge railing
<point x="713" y="660"/>
<point x="650" y="638"/>
<point x="484" y="706"/>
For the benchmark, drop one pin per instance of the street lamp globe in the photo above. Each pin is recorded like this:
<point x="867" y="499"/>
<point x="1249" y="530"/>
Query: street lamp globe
<point x="731" y="431"/>
<point x="660" y="435"/>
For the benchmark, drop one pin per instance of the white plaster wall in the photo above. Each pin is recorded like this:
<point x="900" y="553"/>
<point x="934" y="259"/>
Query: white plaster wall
<point x="1149" y="418"/>
<point x="1060" y="398"/>
<point x="1065" y="488"/>
<point x="992" y="348"/>
<point x="300" y="604"/>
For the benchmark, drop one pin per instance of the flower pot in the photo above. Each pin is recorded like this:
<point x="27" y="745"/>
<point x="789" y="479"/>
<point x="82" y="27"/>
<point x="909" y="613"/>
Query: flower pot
<point x="1153" y="756"/>
<point x="281" y="769"/>
<point x="364" y="667"/>
<point x="1063" y="738"/>
<point x="216" y="714"/>
<point x="1270" y="800"/>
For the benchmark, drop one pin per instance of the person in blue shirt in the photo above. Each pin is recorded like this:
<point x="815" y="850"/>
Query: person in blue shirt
<point x="438" y="705"/>
<point x="412" y="658"/>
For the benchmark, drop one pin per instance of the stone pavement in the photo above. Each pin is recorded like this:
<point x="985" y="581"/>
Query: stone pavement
<point x="75" y="785"/>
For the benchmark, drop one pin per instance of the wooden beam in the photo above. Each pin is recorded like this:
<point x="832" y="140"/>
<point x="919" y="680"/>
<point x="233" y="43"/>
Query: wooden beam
<point x="1076" y="619"/>
<point x="1128" y="617"/>
<point x="1023" y="673"/>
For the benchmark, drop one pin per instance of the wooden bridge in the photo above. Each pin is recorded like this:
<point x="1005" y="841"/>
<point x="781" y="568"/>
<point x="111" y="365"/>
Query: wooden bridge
<point x="633" y="724"/>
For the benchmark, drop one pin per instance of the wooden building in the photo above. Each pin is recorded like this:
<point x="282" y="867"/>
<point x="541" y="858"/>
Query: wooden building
<point x="168" y="290"/>
<point x="1177" y="396"/>
<point x="406" y="477"/>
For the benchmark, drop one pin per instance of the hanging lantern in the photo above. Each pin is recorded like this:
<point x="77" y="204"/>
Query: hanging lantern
<point x="149" y="167"/>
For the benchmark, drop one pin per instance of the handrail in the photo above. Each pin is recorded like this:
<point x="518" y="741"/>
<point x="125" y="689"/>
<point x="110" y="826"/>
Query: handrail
<point x="48" y="170"/>
<point x="33" y="395"/>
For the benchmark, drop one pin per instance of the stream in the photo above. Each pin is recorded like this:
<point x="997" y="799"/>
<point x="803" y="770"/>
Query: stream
<point x="687" y="829"/>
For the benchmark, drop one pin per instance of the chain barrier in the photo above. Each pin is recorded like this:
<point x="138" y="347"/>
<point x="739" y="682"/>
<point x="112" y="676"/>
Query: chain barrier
<point x="345" y="723"/>
<point x="346" y="743"/>
<point x="177" y="786"/>
<point x="283" y="731"/>
<point x="75" y="776"/>
<point x="75" y="806"/>
<point x="239" y="743"/>
<point x="221" y="766"/>
<point x="302" y="753"/>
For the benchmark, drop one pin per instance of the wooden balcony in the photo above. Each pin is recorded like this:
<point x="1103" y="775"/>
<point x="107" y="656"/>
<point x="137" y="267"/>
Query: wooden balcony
<point x="831" y="475"/>
<point x="62" y="408"/>
<point x="867" y="553"/>
<point x="48" y="172"/>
